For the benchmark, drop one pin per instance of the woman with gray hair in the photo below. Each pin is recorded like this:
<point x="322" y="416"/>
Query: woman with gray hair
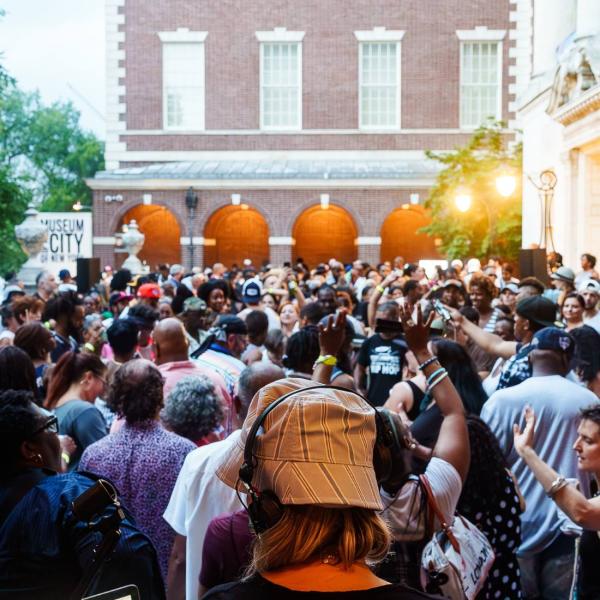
<point x="194" y="409"/>
<point x="94" y="334"/>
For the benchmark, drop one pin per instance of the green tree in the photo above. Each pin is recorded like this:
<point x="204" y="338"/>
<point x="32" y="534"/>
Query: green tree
<point x="492" y="226"/>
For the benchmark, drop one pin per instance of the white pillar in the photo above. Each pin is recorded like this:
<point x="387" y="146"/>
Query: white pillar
<point x="588" y="18"/>
<point x="553" y="20"/>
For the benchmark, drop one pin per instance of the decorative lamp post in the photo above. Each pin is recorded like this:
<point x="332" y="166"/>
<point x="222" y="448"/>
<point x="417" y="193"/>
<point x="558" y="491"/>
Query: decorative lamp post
<point x="191" y="202"/>
<point x="133" y="240"/>
<point x="463" y="201"/>
<point x="545" y="190"/>
<point x="506" y="184"/>
<point x="31" y="235"/>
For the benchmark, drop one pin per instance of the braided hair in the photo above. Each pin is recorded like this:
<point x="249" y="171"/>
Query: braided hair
<point x="302" y="350"/>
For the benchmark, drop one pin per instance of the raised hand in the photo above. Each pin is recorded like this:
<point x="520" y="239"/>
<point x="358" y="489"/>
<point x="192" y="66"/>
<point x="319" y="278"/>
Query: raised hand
<point x="331" y="336"/>
<point x="416" y="333"/>
<point x="523" y="440"/>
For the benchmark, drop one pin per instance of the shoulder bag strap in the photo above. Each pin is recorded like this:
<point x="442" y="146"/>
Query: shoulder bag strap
<point x="435" y="510"/>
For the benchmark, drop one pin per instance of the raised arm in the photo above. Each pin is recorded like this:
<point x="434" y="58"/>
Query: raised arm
<point x="570" y="500"/>
<point x="489" y="342"/>
<point x="453" y="440"/>
<point x="376" y="296"/>
<point x="331" y="338"/>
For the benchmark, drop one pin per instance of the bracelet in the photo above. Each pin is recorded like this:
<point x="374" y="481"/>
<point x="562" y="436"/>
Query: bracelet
<point x="559" y="483"/>
<point x="380" y="289"/>
<point x="66" y="458"/>
<point x="430" y="360"/>
<point x="270" y="291"/>
<point x="326" y="359"/>
<point x="434" y="383"/>
<point x="435" y="374"/>
<point x="89" y="347"/>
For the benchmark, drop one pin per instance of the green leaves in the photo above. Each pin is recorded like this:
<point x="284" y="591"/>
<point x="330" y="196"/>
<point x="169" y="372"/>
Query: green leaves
<point x="44" y="157"/>
<point x="492" y="226"/>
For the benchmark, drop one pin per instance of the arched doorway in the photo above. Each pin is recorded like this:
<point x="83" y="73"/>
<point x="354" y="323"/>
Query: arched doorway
<point x="163" y="234"/>
<point x="324" y="233"/>
<point x="400" y="237"/>
<point x="235" y="233"/>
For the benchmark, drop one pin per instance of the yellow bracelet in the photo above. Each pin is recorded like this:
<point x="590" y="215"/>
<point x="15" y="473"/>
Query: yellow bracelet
<point x="66" y="458"/>
<point x="380" y="289"/>
<point x="326" y="359"/>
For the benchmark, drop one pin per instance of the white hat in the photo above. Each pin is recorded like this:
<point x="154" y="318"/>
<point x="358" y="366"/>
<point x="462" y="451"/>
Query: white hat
<point x="590" y="285"/>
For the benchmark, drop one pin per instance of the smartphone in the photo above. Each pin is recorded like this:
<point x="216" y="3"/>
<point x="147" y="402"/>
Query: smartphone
<point x="441" y="310"/>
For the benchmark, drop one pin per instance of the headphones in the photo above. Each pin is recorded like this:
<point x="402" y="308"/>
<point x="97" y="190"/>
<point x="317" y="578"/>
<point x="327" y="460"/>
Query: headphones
<point x="391" y="459"/>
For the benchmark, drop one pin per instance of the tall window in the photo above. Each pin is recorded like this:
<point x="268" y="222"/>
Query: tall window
<point x="183" y="85"/>
<point x="379" y="85"/>
<point x="480" y="82"/>
<point x="281" y="85"/>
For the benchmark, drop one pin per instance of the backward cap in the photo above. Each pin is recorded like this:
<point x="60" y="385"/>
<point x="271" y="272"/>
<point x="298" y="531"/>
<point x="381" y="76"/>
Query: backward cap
<point x="315" y="447"/>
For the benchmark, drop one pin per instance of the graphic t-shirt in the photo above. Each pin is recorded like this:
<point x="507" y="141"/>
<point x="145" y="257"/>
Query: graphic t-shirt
<point x="384" y="360"/>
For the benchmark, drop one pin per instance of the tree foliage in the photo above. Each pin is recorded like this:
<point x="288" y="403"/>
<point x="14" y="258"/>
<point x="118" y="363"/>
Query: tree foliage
<point x="492" y="226"/>
<point x="45" y="157"/>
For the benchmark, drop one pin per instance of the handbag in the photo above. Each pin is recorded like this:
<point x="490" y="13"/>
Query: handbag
<point x="457" y="560"/>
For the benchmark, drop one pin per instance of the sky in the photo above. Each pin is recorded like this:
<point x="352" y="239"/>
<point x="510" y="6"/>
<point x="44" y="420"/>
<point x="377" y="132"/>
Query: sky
<point x="57" y="47"/>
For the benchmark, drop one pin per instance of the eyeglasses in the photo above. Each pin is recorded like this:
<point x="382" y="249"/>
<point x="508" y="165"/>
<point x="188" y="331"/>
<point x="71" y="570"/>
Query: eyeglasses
<point x="51" y="425"/>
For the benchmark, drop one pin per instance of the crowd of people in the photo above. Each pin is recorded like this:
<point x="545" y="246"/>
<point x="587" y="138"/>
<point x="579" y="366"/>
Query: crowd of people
<point x="274" y="431"/>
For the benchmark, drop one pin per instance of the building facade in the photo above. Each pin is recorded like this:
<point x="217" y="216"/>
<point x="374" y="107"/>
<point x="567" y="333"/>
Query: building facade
<point x="559" y="114"/>
<point x="300" y="126"/>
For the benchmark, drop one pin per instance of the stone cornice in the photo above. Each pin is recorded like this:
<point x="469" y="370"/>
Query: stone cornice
<point x="575" y="110"/>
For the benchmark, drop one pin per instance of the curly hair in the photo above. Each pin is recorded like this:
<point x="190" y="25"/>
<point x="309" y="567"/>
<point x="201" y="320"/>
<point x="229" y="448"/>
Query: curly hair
<point x="487" y="473"/>
<point x="18" y="421"/>
<point x="193" y="408"/>
<point x="302" y="350"/>
<point x="485" y="284"/>
<point x="16" y="370"/>
<point x="64" y="304"/>
<point x="20" y="307"/>
<point x="136" y="391"/>
<point x="35" y="339"/>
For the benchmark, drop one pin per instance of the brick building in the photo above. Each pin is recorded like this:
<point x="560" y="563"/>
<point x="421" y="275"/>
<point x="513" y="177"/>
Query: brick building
<point x="301" y="126"/>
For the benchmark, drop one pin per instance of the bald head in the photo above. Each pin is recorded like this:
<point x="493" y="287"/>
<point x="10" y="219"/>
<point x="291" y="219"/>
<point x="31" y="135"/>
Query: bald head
<point x="252" y="379"/>
<point x="170" y="341"/>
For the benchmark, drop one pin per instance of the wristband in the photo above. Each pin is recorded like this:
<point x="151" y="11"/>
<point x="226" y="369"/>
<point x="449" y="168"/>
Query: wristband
<point x="559" y="483"/>
<point x="66" y="458"/>
<point x="89" y="347"/>
<point x="326" y="359"/>
<point x="270" y="291"/>
<point x="292" y="285"/>
<point x="380" y="289"/>
<point x="433" y="384"/>
<point x="430" y="360"/>
<point x="435" y="374"/>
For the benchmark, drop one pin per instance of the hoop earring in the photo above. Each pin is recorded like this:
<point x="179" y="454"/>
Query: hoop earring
<point x="38" y="460"/>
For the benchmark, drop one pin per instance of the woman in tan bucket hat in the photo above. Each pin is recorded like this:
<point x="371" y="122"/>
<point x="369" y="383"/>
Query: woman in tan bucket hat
<point x="306" y="463"/>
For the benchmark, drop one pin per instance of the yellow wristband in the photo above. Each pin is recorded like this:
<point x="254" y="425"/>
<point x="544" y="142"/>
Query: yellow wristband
<point x="327" y="359"/>
<point x="66" y="458"/>
<point x="380" y="289"/>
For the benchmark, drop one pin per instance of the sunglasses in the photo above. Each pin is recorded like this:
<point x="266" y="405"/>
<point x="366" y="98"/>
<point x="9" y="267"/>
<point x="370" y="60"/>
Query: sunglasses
<point x="51" y="425"/>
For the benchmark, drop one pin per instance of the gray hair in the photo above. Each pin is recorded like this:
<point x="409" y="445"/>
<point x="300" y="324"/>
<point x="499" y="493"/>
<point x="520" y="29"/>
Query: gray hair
<point x="193" y="408"/>
<point x="89" y="320"/>
<point x="176" y="269"/>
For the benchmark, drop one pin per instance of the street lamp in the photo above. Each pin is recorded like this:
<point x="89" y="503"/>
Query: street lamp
<point x="506" y="184"/>
<point x="191" y="202"/>
<point x="463" y="201"/>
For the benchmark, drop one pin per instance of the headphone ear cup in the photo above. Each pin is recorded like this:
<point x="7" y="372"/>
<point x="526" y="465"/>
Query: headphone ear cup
<point x="265" y="510"/>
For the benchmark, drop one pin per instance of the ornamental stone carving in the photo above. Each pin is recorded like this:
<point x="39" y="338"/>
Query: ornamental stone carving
<point x="133" y="240"/>
<point x="31" y="235"/>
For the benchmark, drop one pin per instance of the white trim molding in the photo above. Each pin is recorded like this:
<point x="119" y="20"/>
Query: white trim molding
<point x="367" y="240"/>
<point x="197" y="241"/>
<point x="380" y="34"/>
<point x="115" y="70"/>
<point x="183" y="35"/>
<point x="104" y="240"/>
<point x="280" y="34"/>
<point x="281" y="241"/>
<point x="481" y="34"/>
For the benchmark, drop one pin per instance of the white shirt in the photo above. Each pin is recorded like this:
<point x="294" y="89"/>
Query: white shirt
<point x="198" y="497"/>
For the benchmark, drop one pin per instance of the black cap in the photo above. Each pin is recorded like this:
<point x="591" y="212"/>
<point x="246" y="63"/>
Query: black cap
<point x="232" y="324"/>
<point x="538" y="309"/>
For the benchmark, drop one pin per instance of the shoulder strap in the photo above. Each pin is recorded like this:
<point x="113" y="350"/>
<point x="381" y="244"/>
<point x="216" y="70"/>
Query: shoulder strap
<point x="435" y="510"/>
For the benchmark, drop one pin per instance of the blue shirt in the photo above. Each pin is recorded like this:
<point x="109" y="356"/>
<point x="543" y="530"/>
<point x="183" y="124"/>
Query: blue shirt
<point x="556" y="402"/>
<point x="44" y="549"/>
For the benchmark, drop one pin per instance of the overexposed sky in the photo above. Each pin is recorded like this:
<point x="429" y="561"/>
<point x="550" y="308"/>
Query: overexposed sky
<point x="57" y="47"/>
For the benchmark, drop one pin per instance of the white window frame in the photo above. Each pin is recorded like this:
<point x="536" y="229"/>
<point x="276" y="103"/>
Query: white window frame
<point x="481" y="35"/>
<point x="184" y="36"/>
<point x="381" y="35"/>
<point x="280" y="35"/>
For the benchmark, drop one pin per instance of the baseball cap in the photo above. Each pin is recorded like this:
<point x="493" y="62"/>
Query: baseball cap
<point x="149" y="290"/>
<point x="251" y="291"/>
<point x="314" y="448"/>
<point x="231" y="324"/>
<point x="10" y="291"/>
<point x="64" y="273"/>
<point x="538" y="309"/>
<point x="116" y="297"/>
<point x="510" y="287"/>
<point x="553" y="338"/>
<point x="194" y="304"/>
<point x="564" y="274"/>
<point x="590" y="285"/>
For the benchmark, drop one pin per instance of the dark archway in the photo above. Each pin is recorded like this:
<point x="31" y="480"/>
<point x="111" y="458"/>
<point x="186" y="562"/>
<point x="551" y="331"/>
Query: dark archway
<point x="324" y="233"/>
<point x="234" y="233"/>
<point x="162" y="231"/>
<point x="400" y="237"/>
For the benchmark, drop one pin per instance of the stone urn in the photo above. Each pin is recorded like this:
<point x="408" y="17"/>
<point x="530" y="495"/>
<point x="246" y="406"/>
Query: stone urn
<point x="133" y="240"/>
<point x="31" y="235"/>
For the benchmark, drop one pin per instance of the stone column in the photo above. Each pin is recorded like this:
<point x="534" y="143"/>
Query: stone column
<point x="280" y="249"/>
<point x="369" y="248"/>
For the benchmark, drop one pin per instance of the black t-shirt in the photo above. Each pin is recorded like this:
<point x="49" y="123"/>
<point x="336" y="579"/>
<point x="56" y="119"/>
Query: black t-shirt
<point x="261" y="589"/>
<point x="384" y="359"/>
